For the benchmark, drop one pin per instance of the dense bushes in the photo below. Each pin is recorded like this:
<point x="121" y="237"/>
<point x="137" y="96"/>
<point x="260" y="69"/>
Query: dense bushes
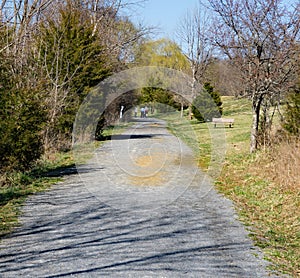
<point x="21" y="124"/>
<point x="48" y="65"/>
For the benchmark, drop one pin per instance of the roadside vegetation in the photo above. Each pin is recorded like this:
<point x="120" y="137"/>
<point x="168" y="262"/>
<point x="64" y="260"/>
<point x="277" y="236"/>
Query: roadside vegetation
<point x="263" y="186"/>
<point x="17" y="186"/>
<point x="53" y="54"/>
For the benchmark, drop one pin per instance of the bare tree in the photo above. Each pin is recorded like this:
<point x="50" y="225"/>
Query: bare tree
<point x="113" y="27"/>
<point x="117" y="33"/>
<point x="20" y="16"/>
<point x="59" y="75"/>
<point x="220" y="73"/>
<point x="260" y="38"/>
<point x="194" y="33"/>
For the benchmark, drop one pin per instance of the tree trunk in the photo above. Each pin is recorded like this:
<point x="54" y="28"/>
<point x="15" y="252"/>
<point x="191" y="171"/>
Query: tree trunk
<point x="193" y="90"/>
<point x="254" y="132"/>
<point x="181" y="111"/>
<point x="255" y="124"/>
<point x="190" y="112"/>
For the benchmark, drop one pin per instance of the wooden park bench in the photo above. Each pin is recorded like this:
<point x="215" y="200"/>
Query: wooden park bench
<point x="223" y="121"/>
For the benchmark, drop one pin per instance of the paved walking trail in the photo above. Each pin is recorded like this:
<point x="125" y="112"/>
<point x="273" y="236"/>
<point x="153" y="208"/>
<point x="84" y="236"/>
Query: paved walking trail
<point x="139" y="208"/>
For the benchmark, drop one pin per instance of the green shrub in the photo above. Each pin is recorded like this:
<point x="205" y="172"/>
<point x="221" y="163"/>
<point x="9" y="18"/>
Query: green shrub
<point x="20" y="130"/>
<point x="207" y="104"/>
<point x="292" y="113"/>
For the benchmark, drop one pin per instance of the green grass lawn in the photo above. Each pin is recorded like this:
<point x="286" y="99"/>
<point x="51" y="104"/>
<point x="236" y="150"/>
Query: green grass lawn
<point x="199" y="136"/>
<point x="270" y="212"/>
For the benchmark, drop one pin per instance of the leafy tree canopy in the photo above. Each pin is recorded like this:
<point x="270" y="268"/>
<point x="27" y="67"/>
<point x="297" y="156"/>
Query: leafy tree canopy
<point x="162" y="53"/>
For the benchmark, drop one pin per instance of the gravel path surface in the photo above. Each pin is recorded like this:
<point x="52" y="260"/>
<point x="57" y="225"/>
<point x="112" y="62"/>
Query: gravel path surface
<point x="139" y="208"/>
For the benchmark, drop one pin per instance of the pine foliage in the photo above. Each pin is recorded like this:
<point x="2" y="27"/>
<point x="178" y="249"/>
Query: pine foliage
<point x="292" y="113"/>
<point x="207" y="104"/>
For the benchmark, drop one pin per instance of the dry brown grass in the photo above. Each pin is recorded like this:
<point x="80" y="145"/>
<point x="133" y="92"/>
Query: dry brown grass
<point x="282" y="165"/>
<point x="266" y="190"/>
<point x="280" y="168"/>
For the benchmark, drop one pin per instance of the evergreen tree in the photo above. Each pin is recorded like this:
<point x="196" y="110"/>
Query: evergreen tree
<point x="292" y="113"/>
<point x="21" y="112"/>
<point x="155" y="95"/>
<point x="71" y="57"/>
<point x="22" y="119"/>
<point x="207" y="104"/>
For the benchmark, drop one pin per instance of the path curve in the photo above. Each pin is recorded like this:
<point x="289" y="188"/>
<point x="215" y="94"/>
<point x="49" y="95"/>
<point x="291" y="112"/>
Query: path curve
<point x="127" y="216"/>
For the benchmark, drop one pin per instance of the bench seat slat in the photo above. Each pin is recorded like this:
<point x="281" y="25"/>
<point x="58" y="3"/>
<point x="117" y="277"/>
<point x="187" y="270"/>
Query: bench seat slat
<point x="223" y="121"/>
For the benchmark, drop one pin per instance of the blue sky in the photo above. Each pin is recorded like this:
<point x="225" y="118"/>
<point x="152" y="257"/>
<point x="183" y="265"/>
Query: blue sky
<point x="165" y="14"/>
